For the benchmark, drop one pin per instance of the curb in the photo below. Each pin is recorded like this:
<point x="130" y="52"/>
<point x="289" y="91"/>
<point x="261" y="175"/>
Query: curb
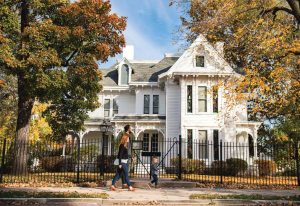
<point x="100" y="201"/>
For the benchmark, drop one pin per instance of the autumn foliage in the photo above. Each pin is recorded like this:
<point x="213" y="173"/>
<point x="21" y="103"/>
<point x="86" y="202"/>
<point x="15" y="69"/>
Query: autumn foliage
<point x="261" y="42"/>
<point x="52" y="48"/>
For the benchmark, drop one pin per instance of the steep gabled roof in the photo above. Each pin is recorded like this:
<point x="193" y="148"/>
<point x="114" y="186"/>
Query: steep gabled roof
<point x="142" y="71"/>
<point x="185" y="63"/>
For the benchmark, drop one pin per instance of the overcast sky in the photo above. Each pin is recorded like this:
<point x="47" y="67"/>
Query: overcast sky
<point x="151" y="27"/>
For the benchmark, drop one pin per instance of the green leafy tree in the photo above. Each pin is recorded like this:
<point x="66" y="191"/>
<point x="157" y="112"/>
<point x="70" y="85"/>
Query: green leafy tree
<point x="51" y="47"/>
<point x="261" y="41"/>
<point x="8" y="105"/>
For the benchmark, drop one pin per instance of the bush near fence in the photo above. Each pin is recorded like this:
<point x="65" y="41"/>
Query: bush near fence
<point x="266" y="167"/>
<point x="217" y="167"/>
<point x="236" y="166"/>
<point x="108" y="163"/>
<point x="231" y="167"/>
<point x="190" y="166"/>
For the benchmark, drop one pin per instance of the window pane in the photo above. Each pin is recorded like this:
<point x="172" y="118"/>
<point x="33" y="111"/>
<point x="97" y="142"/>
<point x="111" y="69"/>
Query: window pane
<point x="124" y="74"/>
<point x="189" y="98"/>
<point x="190" y="144"/>
<point x="216" y="144"/>
<point x="106" y="107"/>
<point x="146" y="142"/>
<point x="199" y="61"/>
<point x="154" y="143"/>
<point x="105" y="144"/>
<point x="115" y="107"/>
<point x="107" y="104"/>
<point x="215" y="100"/>
<point x="146" y="110"/>
<point x="202" y="106"/>
<point x="155" y="104"/>
<point x="203" y="144"/>
<point x="155" y="100"/>
<point x="106" y="113"/>
<point x="146" y="104"/>
<point x="202" y="99"/>
<point x="201" y="92"/>
<point x="251" y="145"/>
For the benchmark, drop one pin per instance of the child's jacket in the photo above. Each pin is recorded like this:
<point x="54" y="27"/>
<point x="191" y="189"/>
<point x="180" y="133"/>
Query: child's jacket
<point x="154" y="169"/>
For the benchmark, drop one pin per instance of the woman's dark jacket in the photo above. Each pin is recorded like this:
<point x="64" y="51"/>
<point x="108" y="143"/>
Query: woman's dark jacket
<point x="123" y="153"/>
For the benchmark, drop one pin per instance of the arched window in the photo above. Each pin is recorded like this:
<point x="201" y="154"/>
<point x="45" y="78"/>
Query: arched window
<point x="124" y="74"/>
<point x="251" y="145"/>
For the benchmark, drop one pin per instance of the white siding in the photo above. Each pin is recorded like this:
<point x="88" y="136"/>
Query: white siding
<point x="125" y="101"/>
<point x="173" y="106"/>
<point x="150" y="91"/>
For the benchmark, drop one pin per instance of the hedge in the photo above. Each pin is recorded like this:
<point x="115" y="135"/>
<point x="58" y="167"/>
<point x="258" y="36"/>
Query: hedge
<point x="236" y="166"/>
<point x="190" y="166"/>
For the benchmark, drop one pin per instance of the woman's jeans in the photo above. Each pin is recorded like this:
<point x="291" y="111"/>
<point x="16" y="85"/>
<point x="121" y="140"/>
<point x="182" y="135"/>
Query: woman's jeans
<point x="119" y="172"/>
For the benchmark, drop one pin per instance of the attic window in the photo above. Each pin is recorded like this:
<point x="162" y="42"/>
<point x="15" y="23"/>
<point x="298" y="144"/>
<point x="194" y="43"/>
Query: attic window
<point x="124" y="74"/>
<point x="199" y="61"/>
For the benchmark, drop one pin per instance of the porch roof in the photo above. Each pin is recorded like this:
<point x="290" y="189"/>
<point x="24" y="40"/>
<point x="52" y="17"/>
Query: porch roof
<point x="137" y="118"/>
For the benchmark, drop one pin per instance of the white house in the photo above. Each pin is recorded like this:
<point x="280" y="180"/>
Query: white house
<point x="170" y="97"/>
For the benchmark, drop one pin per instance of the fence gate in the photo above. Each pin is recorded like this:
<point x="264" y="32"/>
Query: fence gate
<point x="166" y="150"/>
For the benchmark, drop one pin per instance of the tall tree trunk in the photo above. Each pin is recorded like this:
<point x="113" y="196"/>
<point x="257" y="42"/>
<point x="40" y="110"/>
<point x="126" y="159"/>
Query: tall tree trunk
<point x="25" y="105"/>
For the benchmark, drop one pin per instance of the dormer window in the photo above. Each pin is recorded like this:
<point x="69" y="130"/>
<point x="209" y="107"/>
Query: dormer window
<point x="199" y="61"/>
<point x="124" y="74"/>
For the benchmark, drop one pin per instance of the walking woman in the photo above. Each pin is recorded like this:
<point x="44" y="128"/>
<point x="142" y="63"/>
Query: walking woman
<point x="123" y="163"/>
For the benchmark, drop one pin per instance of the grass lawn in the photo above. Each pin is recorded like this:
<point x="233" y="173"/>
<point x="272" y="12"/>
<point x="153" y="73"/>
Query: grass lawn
<point x="244" y="197"/>
<point x="24" y="194"/>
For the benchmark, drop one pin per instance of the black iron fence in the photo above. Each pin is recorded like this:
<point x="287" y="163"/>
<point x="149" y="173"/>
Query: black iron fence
<point x="201" y="161"/>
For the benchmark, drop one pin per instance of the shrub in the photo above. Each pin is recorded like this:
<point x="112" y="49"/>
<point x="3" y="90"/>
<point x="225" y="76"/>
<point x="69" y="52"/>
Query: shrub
<point x="171" y="170"/>
<point x="217" y="168"/>
<point x="53" y="163"/>
<point x="289" y="171"/>
<point x="190" y="166"/>
<point x="108" y="163"/>
<point x="266" y="167"/>
<point x="236" y="166"/>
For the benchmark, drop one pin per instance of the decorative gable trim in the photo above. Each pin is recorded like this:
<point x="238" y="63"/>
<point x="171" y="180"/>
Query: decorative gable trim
<point x="189" y="55"/>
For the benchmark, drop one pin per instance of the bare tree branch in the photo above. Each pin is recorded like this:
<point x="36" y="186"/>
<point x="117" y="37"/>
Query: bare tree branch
<point x="66" y="63"/>
<point x="275" y="9"/>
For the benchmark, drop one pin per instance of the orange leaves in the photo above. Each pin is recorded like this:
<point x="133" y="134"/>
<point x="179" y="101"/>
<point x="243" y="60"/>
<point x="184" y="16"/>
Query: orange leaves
<point x="2" y="83"/>
<point x="102" y="51"/>
<point x="78" y="31"/>
<point x="265" y="48"/>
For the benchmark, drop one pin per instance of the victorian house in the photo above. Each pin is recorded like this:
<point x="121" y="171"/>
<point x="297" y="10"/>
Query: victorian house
<point x="170" y="97"/>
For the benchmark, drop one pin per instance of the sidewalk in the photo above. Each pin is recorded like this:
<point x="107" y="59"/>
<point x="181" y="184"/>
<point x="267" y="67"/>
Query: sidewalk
<point x="174" y="194"/>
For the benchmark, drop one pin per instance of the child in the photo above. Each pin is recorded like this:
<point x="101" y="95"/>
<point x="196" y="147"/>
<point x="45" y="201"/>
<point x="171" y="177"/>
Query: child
<point x="154" y="170"/>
